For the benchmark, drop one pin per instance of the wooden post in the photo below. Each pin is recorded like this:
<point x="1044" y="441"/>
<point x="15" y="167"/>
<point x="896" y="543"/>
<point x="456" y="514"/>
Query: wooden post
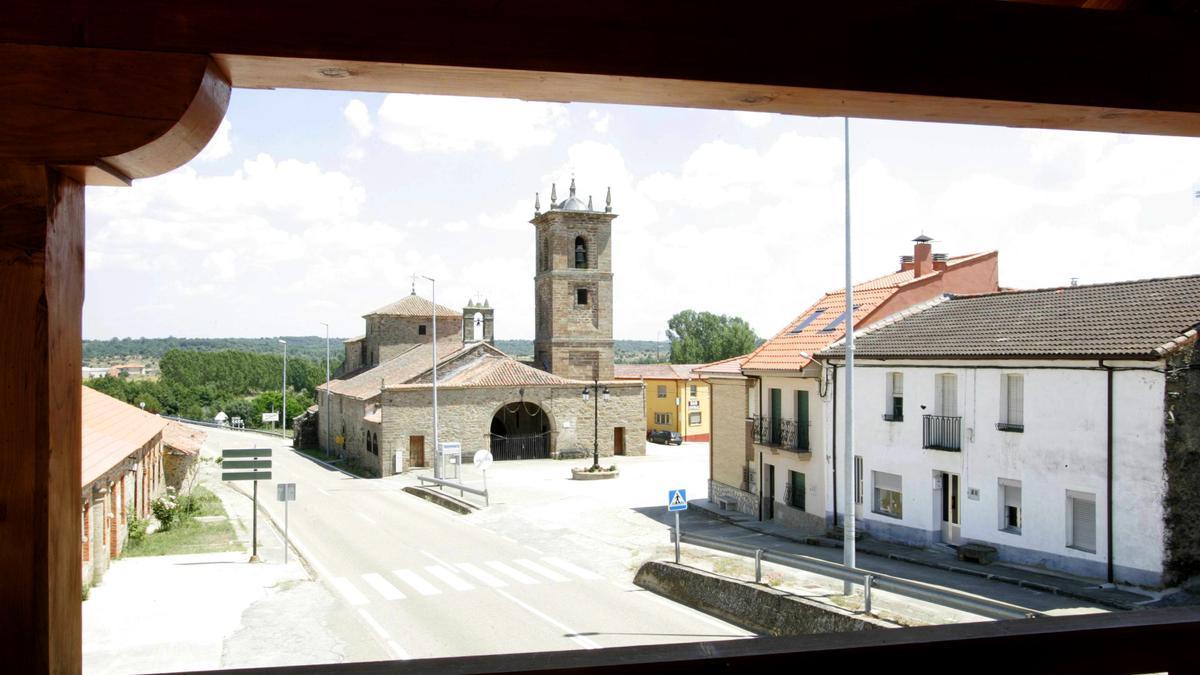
<point x="68" y="117"/>
<point x="41" y="300"/>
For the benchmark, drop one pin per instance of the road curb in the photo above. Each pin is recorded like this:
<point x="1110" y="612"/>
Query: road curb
<point x="287" y="541"/>
<point x="325" y="464"/>
<point x="1021" y="583"/>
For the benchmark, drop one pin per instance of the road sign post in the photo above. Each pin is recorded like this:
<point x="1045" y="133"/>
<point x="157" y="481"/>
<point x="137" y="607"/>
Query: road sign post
<point x="482" y="460"/>
<point x="285" y="492"/>
<point x="253" y="464"/>
<point x="676" y="502"/>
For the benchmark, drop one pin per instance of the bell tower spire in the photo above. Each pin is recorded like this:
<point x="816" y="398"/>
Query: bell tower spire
<point x="573" y="288"/>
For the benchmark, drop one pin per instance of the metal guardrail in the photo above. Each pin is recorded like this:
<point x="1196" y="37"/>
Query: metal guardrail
<point x="214" y="425"/>
<point x="993" y="609"/>
<point x="457" y="486"/>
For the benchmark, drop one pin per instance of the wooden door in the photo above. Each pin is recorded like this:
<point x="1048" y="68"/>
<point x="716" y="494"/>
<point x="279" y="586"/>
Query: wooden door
<point x="618" y="440"/>
<point x="416" y="451"/>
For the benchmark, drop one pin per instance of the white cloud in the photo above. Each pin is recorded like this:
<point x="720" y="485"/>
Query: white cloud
<point x="754" y="120"/>
<point x="219" y="145"/>
<point x="600" y="122"/>
<point x="359" y="117"/>
<point x="423" y="123"/>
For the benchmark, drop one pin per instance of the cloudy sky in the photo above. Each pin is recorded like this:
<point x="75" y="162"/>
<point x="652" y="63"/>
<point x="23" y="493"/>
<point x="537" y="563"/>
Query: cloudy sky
<point x="320" y="206"/>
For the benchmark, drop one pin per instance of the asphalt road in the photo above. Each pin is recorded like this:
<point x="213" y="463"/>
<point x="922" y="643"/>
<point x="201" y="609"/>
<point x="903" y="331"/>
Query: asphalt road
<point x="428" y="583"/>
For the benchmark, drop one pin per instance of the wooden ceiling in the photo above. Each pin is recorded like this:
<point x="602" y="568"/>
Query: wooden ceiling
<point x="1009" y="63"/>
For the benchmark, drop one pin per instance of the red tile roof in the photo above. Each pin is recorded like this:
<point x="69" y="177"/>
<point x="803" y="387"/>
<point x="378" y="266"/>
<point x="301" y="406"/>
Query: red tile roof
<point x="730" y="366"/>
<point x="183" y="439"/>
<point x="399" y="369"/>
<point x="822" y="323"/>
<point x="654" y="371"/>
<point x="112" y="431"/>
<point x="415" y="306"/>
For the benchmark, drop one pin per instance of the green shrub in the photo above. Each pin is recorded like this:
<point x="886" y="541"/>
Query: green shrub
<point x="166" y="509"/>
<point x="137" y="528"/>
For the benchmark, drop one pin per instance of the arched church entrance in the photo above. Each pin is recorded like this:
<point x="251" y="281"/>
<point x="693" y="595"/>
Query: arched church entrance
<point x="520" y="430"/>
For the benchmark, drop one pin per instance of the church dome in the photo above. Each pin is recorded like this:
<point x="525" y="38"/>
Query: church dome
<point x="572" y="203"/>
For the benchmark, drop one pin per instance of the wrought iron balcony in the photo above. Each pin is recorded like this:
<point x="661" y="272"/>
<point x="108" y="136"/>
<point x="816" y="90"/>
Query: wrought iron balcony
<point x="781" y="433"/>
<point x="942" y="433"/>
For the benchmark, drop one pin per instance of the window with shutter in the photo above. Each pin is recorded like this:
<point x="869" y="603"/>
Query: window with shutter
<point x="888" y="497"/>
<point x="858" y="479"/>
<point x="1083" y="522"/>
<point x="1010" y="506"/>
<point x="1012" y="403"/>
<point x="946" y="395"/>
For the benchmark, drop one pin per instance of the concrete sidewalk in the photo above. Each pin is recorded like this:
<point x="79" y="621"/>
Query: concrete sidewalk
<point x="772" y="535"/>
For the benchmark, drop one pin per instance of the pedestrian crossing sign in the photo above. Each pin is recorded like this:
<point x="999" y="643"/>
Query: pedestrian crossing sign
<point x="677" y="500"/>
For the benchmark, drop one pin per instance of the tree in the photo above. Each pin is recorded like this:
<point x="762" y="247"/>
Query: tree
<point x="703" y="337"/>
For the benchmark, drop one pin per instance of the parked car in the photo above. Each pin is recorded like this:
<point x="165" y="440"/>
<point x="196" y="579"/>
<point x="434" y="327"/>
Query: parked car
<point x="666" y="437"/>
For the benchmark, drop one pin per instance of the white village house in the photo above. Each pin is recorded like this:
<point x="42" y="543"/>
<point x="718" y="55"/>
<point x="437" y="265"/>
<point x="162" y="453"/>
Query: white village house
<point x="1049" y="424"/>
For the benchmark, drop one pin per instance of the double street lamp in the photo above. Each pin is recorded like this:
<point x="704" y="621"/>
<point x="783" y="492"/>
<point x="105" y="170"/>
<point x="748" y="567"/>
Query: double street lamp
<point x="587" y="392"/>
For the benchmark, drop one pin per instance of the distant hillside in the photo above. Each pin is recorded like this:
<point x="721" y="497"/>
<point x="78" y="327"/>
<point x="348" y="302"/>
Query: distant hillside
<point x="625" y="351"/>
<point x="106" y="352"/>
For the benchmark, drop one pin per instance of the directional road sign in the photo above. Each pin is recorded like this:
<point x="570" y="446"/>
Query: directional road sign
<point x="677" y="500"/>
<point x="246" y="464"/>
<point x="248" y="452"/>
<point x="246" y="475"/>
<point x="270" y="417"/>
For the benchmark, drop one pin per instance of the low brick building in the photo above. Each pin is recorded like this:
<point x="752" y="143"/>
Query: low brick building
<point x="122" y="473"/>
<point x="181" y="447"/>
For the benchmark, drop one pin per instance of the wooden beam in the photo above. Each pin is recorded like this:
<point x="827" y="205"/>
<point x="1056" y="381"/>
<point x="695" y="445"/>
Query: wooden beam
<point x="979" y="61"/>
<point x="107" y="116"/>
<point x="41" y="299"/>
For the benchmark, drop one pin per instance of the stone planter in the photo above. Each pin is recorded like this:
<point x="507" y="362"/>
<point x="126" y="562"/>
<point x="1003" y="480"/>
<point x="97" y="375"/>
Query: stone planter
<point x="584" y="474"/>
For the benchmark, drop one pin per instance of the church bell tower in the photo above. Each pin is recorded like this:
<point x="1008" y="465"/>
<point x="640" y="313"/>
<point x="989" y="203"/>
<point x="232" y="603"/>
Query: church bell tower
<point x="573" y="287"/>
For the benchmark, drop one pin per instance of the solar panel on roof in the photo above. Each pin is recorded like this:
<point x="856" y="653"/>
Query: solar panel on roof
<point x="809" y="319"/>
<point x="836" y="322"/>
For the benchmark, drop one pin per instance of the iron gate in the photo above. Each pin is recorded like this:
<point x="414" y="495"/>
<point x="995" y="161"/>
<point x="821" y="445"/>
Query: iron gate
<point x="532" y="446"/>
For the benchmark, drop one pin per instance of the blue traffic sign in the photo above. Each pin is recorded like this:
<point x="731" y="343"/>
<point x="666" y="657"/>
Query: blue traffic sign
<point x="677" y="500"/>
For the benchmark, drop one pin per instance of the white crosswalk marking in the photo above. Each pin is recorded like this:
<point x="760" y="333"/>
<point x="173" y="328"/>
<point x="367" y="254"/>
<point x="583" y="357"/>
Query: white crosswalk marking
<point x="449" y="578"/>
<point x="348" y="591"/>
<point x="538" y="569"/>
<point x="566" y="566"/>
<point x="417" y="582"/>
<point x="518" y="576"/>
<point x="388" y="591"/>
<point x="482" y="576"/>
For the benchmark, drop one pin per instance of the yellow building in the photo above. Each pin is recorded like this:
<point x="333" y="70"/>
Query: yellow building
<point x="676" y="399"/>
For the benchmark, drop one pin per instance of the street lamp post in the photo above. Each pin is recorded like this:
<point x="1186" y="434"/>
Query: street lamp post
<point x="328" y="421"/>
<point x="595" y="419"/>
<point x="283" y="412"/>
<point x="433" y="313"/>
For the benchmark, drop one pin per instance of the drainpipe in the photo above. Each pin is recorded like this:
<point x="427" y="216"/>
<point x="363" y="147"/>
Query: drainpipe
<point x="833" y="445"/>
<point x="758" y="384"/>
<point x="1109" y="470"/>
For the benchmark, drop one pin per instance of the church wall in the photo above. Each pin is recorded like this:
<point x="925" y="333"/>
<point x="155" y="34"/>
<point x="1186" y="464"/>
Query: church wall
<point x="347" y="414"/>
<point x="465" y="416"/>
<point x="388" y="335"/>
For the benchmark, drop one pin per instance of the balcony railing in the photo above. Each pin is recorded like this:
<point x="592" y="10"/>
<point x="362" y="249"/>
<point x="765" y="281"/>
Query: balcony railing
<point x="781" y="433"/>
<point x="942" y="433"/>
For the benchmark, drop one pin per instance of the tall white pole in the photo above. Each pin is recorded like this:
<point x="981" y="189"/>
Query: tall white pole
<point x="328" y="420"/>
<point x="283" y="412"/>
<point x="433" y="299"/>
<point x="848" y="451"/>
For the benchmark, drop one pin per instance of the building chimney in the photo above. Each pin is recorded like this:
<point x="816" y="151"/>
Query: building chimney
<point x="906" y="263"/>
<point x="939" y="262"/>
<point x="922" y="256"/>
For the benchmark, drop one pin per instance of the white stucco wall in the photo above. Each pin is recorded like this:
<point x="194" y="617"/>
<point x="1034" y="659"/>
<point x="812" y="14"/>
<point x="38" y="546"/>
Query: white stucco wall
<point x="1062" y="447"/>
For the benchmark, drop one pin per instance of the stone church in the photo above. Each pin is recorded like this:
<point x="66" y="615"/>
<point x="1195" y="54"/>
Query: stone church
<point x="380" y="402"/>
